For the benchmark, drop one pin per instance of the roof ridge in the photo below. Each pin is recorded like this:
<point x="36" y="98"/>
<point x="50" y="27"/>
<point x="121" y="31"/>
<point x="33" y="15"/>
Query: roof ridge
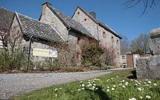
<point x="65" y="18"/>
<point x="28" y="17"/>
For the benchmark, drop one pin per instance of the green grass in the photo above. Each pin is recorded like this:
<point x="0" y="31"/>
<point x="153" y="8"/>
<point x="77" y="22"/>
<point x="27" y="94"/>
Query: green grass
<point x="115" y="86"/>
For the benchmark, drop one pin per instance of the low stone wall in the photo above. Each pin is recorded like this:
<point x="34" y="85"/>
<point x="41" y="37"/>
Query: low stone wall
<point x="148" y="68"/>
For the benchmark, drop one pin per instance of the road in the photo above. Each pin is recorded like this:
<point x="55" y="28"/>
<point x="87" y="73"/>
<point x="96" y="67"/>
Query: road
<point x="20" y="83"/>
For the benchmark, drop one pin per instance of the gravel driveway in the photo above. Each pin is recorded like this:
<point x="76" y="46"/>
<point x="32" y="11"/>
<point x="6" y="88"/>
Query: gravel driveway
<point x="15" y="84"/>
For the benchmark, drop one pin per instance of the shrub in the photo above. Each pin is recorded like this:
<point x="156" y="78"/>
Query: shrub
<point x="108" y="57"/>
<point x="91" y="55"/>
<point x="11" y="61"/>
<point x="4" y="61"/>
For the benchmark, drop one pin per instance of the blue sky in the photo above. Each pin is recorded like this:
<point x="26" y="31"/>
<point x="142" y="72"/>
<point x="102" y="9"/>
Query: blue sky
<point x="126" y="21"/>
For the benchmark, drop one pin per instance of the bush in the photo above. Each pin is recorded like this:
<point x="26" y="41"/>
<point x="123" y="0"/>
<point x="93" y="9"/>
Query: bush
<point x="11" y="61"/>
<point x="91" y="55"/>
<point x="48" y="64"/>
<point x="108" y="57"/>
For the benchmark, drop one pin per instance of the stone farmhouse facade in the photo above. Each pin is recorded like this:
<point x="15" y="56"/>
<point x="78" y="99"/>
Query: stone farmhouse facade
<point x="54" y="29"/>
<point x="106" y="36"/>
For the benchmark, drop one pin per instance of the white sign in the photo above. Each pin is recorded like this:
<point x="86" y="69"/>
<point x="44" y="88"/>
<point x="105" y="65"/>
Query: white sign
<point x="45" y="52"/>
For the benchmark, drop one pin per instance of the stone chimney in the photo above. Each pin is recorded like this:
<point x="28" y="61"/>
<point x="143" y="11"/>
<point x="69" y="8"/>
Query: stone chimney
<point x="93" y="14"/>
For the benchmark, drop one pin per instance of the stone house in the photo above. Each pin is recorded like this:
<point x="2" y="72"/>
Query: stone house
<point x="106" y="36"/>
<point x="70" y="30"/>
<point x="54" y="28"/>
<point x="27" y="34"/>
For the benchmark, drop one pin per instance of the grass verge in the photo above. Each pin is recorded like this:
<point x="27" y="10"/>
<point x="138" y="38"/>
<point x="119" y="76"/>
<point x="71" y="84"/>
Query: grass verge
<point x="115" y="86"/>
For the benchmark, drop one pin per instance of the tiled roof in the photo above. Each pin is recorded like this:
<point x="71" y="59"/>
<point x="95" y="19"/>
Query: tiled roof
<point x="29" y="26"/>
<point x="5" y="19"/>
<point x="155" y="33"/>
<point x="36" y="29"/>
<point x="100" y="23"/>
<point x="70" y="23"/>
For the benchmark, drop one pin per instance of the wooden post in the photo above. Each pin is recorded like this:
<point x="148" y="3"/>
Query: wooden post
<point x="30" y="43"/>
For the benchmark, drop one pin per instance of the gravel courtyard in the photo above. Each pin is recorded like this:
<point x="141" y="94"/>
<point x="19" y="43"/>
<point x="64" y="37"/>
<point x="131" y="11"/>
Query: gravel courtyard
<point x="15" y="84"/>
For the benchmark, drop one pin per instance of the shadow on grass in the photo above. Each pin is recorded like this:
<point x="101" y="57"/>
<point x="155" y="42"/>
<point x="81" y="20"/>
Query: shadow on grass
<point x="102" y="95"/>
<point x="155" y="89"/>
<point x="133" y="75"/>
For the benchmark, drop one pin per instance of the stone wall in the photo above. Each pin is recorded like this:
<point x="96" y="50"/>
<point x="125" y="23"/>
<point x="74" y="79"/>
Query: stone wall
<point x="76" y="43"/>
<point x="106" y="38"/>
<point x="15" y="39"/>
<point x="49" y="17"/>
<point x="155" y="45"/>
<point x="148" y="68"/>
<point x="88" y="23"/>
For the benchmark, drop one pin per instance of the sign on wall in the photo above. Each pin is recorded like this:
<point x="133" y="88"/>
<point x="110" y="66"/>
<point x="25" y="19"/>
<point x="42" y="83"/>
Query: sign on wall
<point x="45" y="52"/>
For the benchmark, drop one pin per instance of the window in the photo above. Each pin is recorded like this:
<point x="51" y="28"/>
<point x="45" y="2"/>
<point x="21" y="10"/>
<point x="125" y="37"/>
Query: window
<point x="78" y="12"/>
<point x="78" y="40"/>
<point x="117" y="41"/>
<point x="85" y="19"/>
<point x="104" y="34"/>
<point x="112" y="39"/>
<point x="123" y="57"/>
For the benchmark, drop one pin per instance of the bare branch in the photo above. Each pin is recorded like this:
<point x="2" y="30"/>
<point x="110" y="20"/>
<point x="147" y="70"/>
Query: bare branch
<point x="145" y="3"/>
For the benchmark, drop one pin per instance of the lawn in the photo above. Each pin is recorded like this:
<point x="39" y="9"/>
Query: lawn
<point x="115" y="86"/>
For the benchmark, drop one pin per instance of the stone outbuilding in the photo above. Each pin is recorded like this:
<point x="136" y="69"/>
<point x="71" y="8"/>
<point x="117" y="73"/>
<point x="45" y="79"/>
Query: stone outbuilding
<point x="29" y="35"/>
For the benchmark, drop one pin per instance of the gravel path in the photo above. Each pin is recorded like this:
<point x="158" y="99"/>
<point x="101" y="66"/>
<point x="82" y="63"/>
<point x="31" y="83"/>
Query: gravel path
<point x="15" y="84"/>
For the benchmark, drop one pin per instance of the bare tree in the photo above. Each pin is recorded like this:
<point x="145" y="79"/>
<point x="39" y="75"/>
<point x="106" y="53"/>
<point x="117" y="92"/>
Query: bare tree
<point x="140" y="45"/>
<point x="147" y="4"/>
<point x="124" y="45"/>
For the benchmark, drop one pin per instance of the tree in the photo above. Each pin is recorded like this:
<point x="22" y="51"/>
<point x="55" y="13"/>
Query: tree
<point x="124" y="45"/>
<point x="147" y="4"/>
<point x="140" y="45"/>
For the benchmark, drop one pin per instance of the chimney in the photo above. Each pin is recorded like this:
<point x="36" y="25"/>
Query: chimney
<point x="93" y="14"/>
